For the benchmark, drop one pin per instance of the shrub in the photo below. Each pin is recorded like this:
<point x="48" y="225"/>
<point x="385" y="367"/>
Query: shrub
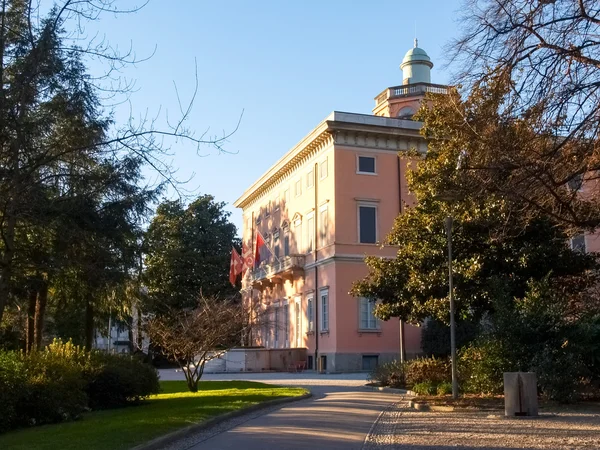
<point x="431" y="370"/>
<point x="391" y="374"/>
<point x="12" y="384"/>
<point x="444" y="388"/>
<point x="425" y="388"/>
<point x="54" y="389"/>
<point x="560" y="374"/>
<point x="116" y="380"/>
<point x="62" y="381"/>
<point x="481" y="367"/>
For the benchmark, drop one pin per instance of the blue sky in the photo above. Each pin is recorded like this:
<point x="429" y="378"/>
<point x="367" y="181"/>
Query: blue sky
<point x="286" y="64"/>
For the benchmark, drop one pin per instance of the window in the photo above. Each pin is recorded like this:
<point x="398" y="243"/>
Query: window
<point x="276" y="322"/>
<point x="370" y="362"/>
<point x="286" y="242"/>
<point x="323" y="169"/>
<point x="367" y="224"/>
<point x="366" y="164"/>
<point x="268" y="209"/>
<point x="298" y="234"/>
<point x="578" y="243"/>
<point x="310" y="228"/>
<point x="298" y="188"/>
<point x="276" y="243"/>
<point x="310" y="314"/>
<point x="297" y="326"/>
<point x="325" y="310"/>
<point x="576" y="182"/>
<point x="286" y="196"/>
<point x="367" y="320"/>
<point x="323" y="224"/>
<point x="310" y="179"/>
<point x="276" y="203"/>
<point x="286" y="321"/>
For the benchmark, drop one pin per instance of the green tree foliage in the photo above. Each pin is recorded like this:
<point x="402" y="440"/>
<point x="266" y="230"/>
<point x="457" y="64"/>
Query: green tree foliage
<point x="435" y="337"/>
<point x="492" y="242"/>
<point x="72" y="195"/>
<point x="188" y="251"/>
<point x="544" y="332"/>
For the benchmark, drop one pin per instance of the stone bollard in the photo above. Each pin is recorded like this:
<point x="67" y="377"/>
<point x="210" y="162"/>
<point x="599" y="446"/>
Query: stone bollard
<point x="520" y="394"/>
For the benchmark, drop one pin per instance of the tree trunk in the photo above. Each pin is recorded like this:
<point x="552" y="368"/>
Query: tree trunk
<point x="6" y="260"/>
<point x="31" y="321"/>
<point x="89" y="324"/>
<point x="40" y="314"/>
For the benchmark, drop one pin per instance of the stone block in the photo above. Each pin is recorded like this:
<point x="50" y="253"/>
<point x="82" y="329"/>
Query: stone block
<point x="520" y="394"/>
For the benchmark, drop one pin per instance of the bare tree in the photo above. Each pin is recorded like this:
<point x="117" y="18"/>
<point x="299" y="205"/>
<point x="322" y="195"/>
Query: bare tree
<point x="538" y="61"/>
<point x="192" y="338"/>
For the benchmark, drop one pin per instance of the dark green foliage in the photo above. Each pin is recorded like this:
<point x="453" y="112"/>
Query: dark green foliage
<point x="54" y="392"/>
<point x="61" y="382"/>
<point x="481" y="367"/>
<point x="188" y="253"/>
<point x="12" y="383"/>
<point x="547" y="332"/>
<point x="444" y="388"/>
<point x="435" y="337"/>
<point x="117" y="380"/>
<point x="425" y="388"/>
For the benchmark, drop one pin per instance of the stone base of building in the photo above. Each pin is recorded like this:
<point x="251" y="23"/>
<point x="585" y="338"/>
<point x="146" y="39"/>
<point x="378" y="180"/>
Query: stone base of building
<point x="355" y="362"/>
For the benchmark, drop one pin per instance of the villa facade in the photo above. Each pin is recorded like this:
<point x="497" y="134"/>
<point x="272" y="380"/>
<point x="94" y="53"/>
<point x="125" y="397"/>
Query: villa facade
<point x="327" y="203"/>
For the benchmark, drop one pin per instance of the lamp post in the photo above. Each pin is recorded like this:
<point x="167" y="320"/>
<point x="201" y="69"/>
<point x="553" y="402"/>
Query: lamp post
<point x="448" y="226"/>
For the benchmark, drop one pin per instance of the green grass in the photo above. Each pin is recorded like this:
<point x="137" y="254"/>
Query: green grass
<point x="124" y="428"/>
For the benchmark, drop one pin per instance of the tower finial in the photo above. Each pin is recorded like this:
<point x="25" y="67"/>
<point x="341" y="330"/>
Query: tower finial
<point x="416" y="42"/>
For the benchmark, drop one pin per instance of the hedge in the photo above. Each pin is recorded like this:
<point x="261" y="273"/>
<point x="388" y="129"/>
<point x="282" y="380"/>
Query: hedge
<point x="62" y="381"/>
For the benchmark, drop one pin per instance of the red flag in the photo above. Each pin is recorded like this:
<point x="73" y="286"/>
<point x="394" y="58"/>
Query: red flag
<point x="235" y="266"/>
<point x="247" y="257"/>
<point x="261" y="250"/>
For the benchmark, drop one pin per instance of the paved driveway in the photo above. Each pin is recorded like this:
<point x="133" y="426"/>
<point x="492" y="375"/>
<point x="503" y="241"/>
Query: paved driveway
<point x="338" y="416"/>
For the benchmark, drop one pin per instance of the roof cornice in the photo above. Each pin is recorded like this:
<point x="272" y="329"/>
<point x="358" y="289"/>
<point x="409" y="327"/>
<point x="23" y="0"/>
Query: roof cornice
<point x="321" y="137"/>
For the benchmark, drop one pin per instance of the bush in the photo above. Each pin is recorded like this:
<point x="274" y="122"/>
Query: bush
<point x="481" y="367"/>
<point x="54" y="389"/>
<point x="444" y="388"/>
<point x="12" y="384"/>
<point x="560" y="374"/>
<point x="425" y="388"/>
<point x="391" y="374"/>
<point x="431" y="370"/>
<point x="116" y="380"/>
<point x="62" y="381"/>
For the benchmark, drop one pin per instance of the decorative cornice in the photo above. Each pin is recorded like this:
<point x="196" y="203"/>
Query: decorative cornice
<point x="341" y="128"/>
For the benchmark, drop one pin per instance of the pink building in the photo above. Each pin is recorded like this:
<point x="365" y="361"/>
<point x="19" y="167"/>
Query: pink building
<point x="327" y="203"/>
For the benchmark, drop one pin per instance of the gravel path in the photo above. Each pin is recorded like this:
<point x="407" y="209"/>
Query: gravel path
<point x="402" y="428"/>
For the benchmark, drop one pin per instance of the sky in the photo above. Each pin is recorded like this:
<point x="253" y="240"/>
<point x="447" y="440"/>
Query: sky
<point x="285" y="65"/>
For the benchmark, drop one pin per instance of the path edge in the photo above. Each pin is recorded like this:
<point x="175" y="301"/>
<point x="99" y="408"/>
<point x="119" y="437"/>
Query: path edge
<point x="169" y="438"/>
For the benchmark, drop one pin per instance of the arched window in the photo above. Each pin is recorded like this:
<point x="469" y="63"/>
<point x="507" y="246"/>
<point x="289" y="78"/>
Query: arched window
<point x="406" y="113"/>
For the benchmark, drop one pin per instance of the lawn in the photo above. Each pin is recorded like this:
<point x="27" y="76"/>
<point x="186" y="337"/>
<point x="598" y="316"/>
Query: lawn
<point x="124" y="428"/>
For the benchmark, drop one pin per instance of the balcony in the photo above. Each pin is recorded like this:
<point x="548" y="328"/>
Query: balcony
<point x="287" y="266"/>
<point x="408" y="90"/>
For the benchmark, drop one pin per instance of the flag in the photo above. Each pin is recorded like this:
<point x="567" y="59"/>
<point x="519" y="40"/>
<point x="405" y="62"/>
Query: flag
<point x="235" y="266"/>
<point x="262" y="251"/>
<point x="247" y="257"/>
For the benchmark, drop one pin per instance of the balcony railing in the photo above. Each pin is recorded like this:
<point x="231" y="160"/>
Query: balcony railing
<point x="411" y="89"/>
<point x="285" y="265"/>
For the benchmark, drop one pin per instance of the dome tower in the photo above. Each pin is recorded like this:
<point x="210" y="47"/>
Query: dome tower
<point x="416" y="66"/>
